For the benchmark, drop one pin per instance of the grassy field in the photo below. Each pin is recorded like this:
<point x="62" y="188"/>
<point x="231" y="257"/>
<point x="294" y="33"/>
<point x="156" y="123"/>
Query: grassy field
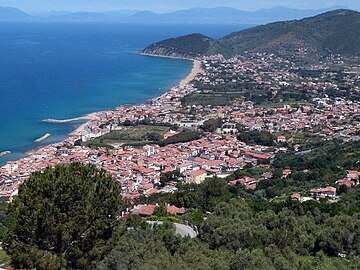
<point x="261" y="98"/>
<point x="133" y="135"/>
<point x="215" y="99"/>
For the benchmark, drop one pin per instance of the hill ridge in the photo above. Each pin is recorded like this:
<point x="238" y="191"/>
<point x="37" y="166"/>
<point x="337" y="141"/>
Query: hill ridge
<point x="336" y="32"/>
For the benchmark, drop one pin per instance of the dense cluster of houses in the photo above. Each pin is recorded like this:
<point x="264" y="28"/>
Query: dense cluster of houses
<point x="139" y="170"/>
<point x="218" y="153"/>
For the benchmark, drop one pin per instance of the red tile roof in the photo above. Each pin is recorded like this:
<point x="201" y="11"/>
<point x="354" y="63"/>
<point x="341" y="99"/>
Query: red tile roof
<point x="198" y="173"/>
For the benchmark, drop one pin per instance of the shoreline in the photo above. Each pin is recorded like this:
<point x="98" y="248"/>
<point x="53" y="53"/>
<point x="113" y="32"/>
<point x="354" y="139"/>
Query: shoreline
<point x="166" y="56"/>
<point x="196" y="69"/>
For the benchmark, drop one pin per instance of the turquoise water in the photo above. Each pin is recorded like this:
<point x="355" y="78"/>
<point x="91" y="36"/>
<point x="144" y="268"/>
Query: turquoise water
<point x="68" y="70"/>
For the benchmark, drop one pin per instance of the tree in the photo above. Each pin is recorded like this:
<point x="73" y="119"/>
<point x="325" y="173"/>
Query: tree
<point x="212" y="124"/>
<point x="185" y="136"/>
<point x="152" y="136"/>
<point x="160" y="211"/>
<point x="343" y="189"/>
<point x="211" y="192"/>
<point x="169" y="176"/>
<point x="128" y="123"/>
<point x="65" y="217"/>
<point x="250" y="260"/>
<point x="256" y="137"/>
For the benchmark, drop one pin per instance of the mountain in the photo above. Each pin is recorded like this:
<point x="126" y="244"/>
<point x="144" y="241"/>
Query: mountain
<point x="218" y="15"/>
<point x="78" y="16"/>
<point x="8" y="14"/>
<point x="285" y="14"/>
<point x="331" y="32"/>
<point x="143" y="15"/>
<point x="335" y="31"/>
<point x="224" y="15"/>
<point x="63" y="16"/>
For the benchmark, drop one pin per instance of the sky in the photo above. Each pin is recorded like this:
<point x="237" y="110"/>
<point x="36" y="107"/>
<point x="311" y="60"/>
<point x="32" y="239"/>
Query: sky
<point x="168" y="5"/>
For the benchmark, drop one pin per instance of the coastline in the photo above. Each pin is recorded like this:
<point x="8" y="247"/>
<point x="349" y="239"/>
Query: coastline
<point x="165" y="56"/>
<point x="194" y="72"/>
<point x="196" y="69"/>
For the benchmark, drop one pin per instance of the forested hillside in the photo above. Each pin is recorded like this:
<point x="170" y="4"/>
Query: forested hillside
<point x="336" y="32"/>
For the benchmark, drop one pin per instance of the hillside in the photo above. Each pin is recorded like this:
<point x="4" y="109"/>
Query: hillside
<point x="189" y="46"/>
<point x="332" y="32"/>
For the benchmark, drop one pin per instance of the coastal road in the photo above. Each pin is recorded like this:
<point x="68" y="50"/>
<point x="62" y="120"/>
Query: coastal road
<point x="181" y="229"/>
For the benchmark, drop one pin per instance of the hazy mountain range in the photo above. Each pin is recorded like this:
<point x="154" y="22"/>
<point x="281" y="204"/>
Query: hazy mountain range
<point x="219" y="15"/>
<point x="336" y="32"/>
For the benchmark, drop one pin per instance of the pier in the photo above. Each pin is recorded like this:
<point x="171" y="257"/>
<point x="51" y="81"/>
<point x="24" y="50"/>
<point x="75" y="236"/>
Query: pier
<point x="5" y="153"/>
<point x="47" y="135"/>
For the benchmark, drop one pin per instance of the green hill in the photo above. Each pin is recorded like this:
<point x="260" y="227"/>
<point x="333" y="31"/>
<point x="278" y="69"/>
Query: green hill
<point x="336" y="32"/>
<point x="189" y="46"/>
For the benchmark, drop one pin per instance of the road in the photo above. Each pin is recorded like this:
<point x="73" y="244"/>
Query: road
<point x="181" y="229"/>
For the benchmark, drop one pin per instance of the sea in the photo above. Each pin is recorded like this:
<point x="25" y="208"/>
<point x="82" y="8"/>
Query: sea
<point x="67" y="70"/>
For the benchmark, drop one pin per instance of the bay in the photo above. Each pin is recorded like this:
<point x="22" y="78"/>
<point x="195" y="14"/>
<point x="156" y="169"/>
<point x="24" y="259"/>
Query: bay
<point x="67" y="70"/>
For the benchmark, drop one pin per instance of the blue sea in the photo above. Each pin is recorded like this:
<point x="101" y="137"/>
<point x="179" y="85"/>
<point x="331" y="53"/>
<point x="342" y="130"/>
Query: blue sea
<point x="52" y="70"/>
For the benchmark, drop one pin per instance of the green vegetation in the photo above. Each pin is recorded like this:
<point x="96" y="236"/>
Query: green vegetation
<point x="4" y="220"/>
<point x="336" y="32"/>
<point x="182" y="137"/>
<point x="191" y="46"/>
<point x="4" y="258"/>
<point x="55" y="224"/>
<point x="322" y="165"/>
<point x="245" y="233"/>
<point x="214" y="99"/>
<point x="256" y="137"/>
<point x="212" y="124"/>
<point x="140" y="135"/>
<point x="323" y="33"/>
<point x="165" y="178"/>
<point x="164" y="218"/>
<point x="130" y="135"/>
<point x="65" y="217"/>
<point x="245" y="230"/>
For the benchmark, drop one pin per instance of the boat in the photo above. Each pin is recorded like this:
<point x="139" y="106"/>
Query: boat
<point x="47" y="135"/>
<point x="5" y="153"/>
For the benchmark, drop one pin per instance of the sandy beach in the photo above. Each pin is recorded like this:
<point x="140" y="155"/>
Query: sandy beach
<point x="195" y="70"/>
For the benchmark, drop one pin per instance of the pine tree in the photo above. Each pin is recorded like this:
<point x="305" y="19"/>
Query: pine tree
<point x="65" y="217"/>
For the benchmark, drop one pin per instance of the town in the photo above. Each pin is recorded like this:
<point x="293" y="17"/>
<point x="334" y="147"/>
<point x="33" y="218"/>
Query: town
<point x="264" y="93"/>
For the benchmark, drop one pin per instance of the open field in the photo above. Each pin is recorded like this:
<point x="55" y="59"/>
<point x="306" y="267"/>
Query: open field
<point x="133" y="135"/>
